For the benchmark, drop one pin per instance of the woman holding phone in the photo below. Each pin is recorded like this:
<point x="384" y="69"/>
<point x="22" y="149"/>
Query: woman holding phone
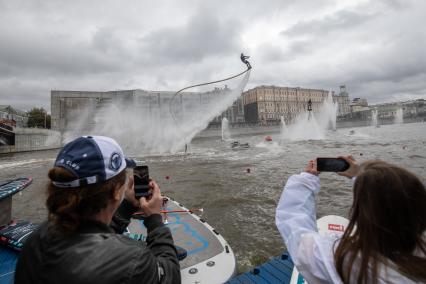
<point x="385" y="241"/>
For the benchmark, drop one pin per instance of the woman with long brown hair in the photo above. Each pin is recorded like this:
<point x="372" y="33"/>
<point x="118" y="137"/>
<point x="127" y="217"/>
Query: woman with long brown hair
<point x="385" y="241"/>
<point x="90" y="201"/>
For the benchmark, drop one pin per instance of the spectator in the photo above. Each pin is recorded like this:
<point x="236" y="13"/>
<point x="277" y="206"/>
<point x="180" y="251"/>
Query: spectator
<point x="90" y="201"/>
<point x="385" y="240"/>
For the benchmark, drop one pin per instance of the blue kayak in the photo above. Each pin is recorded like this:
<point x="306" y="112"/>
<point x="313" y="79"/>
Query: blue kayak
<point x="10" y="187"/>
<point x="9" y="239"/>
<point x="8" y="259"/>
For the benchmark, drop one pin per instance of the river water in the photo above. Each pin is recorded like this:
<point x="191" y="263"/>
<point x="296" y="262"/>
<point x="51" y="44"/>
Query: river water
<point x="240" y="204"/>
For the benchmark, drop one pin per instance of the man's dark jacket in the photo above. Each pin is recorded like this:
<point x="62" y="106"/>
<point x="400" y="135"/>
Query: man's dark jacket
<point x="97" y="253"/>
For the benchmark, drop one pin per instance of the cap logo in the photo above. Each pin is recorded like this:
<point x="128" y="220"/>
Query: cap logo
<point x="115" y="162"/>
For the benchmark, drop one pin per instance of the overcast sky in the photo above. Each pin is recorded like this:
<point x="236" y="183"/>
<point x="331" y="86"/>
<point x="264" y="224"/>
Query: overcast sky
<point x="376" y="48"/>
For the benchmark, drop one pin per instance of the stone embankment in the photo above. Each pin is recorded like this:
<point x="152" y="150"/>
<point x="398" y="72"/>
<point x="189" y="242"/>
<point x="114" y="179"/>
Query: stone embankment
<point x="32" y="139"/>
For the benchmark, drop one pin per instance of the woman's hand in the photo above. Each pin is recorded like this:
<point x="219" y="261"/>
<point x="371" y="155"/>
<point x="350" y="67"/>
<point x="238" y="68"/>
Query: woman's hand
<point x="312" y="167"/>
<point x="353" y="170"/>
<point x="152" y="204"/>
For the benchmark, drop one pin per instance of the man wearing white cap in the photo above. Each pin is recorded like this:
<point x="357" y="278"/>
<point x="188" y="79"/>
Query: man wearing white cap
<point x="90" y="202"/>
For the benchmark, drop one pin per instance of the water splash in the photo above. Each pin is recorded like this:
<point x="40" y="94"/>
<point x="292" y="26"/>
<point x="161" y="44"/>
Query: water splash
<point x="53" y="139"/>
<point x="78" y="122"/>
<point x="399" y="118"/>
<point x="145" y="125"/>
<point x="306" y="128"/>
<point x="328" y="112"/>
<point x="226" y="134"/>
<point x="374" y="115"/>
<point x="284" y="130"/>
<point x="313" y="126"/>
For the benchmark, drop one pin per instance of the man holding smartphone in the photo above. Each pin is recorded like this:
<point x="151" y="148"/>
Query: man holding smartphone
<point x="91" y="199"/>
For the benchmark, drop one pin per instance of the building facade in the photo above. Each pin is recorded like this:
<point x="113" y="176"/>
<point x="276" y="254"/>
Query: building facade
<point x="266" y="104"/>
<point x="358" y="104"/>
<point x="234" y="114"/>
<point x="387" y="110"/>
<point x="343" y="101"/>
<point x="413" y="108"/>
<point x="70" y="108"/>
<point x="12" y="116"/>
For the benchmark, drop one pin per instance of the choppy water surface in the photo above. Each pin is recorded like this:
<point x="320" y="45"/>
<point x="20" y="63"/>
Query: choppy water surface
<point x="242" y="205"/>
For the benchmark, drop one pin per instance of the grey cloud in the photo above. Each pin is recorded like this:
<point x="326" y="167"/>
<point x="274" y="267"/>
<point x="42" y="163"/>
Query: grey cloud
<point x="45" y="56"/>
<point x="270" y="53"/>
<point x="375" y="48"/>
<point x="336" y="22"/>
<point x="398" y="4"/>
<point x="204" y="35"/>
<point x="388" y="90"/>
<point x="105" y="40"/>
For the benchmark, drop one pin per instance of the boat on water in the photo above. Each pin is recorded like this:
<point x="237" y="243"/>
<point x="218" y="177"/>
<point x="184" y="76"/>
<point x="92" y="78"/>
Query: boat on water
<point x="7" y="189"/>
<point x="238" y="145"/>
<point x="210" y="259"/>
<point x="207" y="257"/>
<point x="281" y="269"/>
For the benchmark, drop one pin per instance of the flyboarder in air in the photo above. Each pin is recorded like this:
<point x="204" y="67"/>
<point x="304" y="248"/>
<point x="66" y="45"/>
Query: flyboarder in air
<point x="245" y="61"/>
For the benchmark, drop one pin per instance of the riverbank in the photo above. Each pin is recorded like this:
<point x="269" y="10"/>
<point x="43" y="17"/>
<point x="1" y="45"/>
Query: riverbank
<point x="241" y="129"/>
<point x="31" y="139"/>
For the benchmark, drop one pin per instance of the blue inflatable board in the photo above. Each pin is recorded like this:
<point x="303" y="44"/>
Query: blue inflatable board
<point x="10" y="187"/>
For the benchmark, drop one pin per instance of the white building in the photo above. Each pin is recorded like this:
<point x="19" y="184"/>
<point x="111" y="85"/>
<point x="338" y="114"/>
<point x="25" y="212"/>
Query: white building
<point x="12" y="116"/>
<point x="343" y="101"/>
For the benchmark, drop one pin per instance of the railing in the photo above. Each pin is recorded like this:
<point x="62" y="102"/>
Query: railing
<point x="6" y="127"/>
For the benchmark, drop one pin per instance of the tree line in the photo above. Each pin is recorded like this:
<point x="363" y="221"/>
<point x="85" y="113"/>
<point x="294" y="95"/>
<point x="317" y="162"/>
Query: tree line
<point x="39" y="118"/>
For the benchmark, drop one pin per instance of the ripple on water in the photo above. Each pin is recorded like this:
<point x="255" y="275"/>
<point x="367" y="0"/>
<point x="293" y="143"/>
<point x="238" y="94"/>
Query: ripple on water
<point x="16" y="164"/>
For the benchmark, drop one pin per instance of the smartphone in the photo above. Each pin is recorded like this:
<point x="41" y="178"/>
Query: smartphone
<point x="332" y="165"/>
<point x="141" y="178"/>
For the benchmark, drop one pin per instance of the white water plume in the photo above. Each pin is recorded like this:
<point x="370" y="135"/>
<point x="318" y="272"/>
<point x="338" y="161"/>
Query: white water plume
<point x="399" y="118"/>
<point x="284" y="130"/>
<point x="78" y="120"/>
<point x="53" y="139"/>
<point x="157" y="123"/>
<point x="374" y="114"/>
<point x="226" y="134"/>
<point x="328" y="112"/>
<point x="313" y="126"/>
<point x="306" y="128"/>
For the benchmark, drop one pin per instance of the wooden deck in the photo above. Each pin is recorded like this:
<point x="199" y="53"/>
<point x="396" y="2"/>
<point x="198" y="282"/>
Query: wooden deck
<point x="276" y="270"/>
<point x="8" y="259"/>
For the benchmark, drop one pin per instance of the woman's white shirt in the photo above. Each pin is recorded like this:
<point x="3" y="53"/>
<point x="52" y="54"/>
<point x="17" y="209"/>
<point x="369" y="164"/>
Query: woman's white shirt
<point x="312" y="253"/>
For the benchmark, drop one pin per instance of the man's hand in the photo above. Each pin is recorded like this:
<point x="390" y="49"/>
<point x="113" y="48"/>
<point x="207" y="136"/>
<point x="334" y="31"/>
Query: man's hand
<point x="353" y="170"/>
<point x="152" y="204"/>
<point x="129" y="193"/>
<point x="312" y="167"/>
